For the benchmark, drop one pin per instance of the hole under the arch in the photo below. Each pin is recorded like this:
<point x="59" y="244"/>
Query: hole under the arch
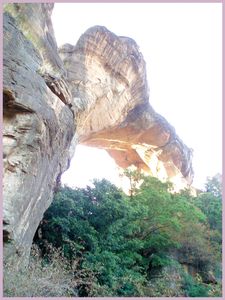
<point x="91" y="163"/>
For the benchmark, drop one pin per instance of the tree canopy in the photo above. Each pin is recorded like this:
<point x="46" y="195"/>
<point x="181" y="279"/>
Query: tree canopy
<point x="127" y="240"/>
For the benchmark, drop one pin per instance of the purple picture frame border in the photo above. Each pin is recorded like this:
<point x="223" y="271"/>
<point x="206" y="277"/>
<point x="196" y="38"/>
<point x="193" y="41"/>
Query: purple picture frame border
<point x="1" y="130"/>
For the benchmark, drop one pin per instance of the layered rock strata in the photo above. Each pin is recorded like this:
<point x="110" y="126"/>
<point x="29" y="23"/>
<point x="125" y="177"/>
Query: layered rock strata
<point x="94" y="93"/>
<point x="38" y="128"/>
<point x="107" y="76"/>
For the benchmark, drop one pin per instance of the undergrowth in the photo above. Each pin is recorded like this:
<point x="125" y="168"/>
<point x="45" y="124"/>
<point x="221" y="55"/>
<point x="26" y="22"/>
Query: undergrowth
<point x="51" y="276"/>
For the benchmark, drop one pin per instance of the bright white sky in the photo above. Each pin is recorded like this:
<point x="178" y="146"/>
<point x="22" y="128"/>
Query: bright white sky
<point x="182" y="46"/>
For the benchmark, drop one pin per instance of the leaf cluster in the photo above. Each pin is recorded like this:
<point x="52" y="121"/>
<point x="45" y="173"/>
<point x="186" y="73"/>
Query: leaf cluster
<point x="126" y="240"/>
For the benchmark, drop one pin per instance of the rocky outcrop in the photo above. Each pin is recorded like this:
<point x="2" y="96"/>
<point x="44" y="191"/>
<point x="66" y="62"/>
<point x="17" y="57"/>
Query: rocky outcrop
<point x="94" y="93"/>
<point x="107" y="76"/>
<point x="38" y="129"/>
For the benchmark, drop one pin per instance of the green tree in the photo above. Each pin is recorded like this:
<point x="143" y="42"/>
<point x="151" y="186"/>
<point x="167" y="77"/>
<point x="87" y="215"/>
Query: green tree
<point x="96" y="224"/>
<point x="210" y="203"/>
<point x="126" y="240"/>
<point x="214" y="185"/>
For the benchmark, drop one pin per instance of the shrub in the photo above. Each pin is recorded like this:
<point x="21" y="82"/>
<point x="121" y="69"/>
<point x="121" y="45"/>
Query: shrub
<point x="51" y="276"/>
<point x="194" y="287"/>
<point x="166" y="283"/>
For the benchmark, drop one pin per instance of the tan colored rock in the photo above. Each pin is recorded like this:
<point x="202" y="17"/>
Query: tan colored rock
<point x="107" y="75"/>
<point x="38" y="129"/>
<point x="94" y="93"/>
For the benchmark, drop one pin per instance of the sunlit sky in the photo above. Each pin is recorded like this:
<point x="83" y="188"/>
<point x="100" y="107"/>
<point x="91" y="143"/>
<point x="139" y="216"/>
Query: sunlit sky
<point x="182" y="46"/>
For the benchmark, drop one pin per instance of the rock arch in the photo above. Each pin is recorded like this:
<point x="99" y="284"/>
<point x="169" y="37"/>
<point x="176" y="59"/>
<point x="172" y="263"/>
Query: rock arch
<point x="94" y="93"/>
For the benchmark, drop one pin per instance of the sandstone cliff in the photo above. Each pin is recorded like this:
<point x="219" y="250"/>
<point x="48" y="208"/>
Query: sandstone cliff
<point x="108" y="82"/>
<point x="94" y="93"/>
<point x="38" y="125"/>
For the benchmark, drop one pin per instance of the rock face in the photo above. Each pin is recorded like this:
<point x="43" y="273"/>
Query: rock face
<point x="38" y="129"/>
<point x="108" y="82"/>
<point x="94" y="93"/>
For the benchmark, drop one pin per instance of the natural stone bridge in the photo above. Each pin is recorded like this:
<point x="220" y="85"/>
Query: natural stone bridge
<point x="94" y="93"/>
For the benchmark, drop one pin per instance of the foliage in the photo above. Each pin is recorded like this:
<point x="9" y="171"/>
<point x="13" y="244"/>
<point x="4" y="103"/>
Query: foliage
<point x="167" y="283"/>
<point x="194" y="288"/>
<point x="210" y="203"/>
<point x="94" y="224"/>
<point x="211" y="206"/>
<point x="214" y="185"/>
<point x="128" y="241"/>
<point x="55" y="278"/>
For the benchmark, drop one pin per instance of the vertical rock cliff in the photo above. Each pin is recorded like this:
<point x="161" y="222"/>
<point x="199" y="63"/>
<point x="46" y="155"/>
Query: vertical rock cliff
<point x="38" y="122"/>
<point x="94" y="93"/>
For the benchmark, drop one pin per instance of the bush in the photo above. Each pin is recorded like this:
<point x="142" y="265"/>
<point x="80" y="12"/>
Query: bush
<point x="51" y="276"/>
<point x="167" y="282"/>
<point x="194" y="287"/>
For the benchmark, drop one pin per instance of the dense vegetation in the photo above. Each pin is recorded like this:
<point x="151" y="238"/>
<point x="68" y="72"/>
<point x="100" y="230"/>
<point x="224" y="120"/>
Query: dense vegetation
<point x="151" y="243"/>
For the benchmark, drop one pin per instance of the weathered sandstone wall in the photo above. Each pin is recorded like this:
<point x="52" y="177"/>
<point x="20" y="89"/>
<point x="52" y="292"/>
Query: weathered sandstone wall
<point x="94" y="93"/>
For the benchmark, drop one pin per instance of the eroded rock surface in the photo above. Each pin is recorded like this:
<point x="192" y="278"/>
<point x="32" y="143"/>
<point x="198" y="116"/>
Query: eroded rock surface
<point x="38" y="129"/>
<point x="107" y="76"/>
<point x="94" y="93"/>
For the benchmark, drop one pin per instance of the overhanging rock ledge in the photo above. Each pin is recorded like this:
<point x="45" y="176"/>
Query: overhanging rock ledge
<point x="94" y="93"/>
